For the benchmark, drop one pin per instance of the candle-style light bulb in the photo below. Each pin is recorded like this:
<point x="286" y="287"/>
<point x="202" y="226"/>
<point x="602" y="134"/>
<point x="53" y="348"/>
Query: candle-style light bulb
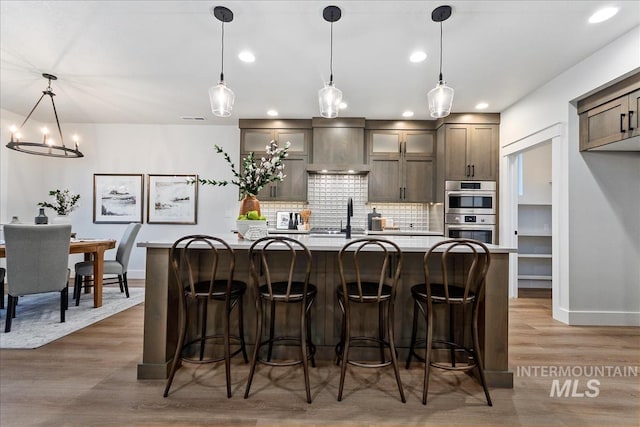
<point x="13" y="130"/>
<point x="45" y="132"/>
<point x="75" y="140"/>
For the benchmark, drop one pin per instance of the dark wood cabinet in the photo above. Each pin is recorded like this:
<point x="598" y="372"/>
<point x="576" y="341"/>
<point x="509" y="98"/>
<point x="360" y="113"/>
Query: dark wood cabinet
<point x="260" y="133"/>
<point x="402" y="165"/>
<point x="471" y="152"/>
<point x="609" y="118"/>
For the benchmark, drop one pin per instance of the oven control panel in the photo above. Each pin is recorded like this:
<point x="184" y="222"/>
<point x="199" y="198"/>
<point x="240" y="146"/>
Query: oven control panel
<point x="470" y="219"/>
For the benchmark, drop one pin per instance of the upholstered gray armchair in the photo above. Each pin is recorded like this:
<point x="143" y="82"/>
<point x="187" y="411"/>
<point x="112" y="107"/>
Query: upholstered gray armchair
<point x="37" y="262"/>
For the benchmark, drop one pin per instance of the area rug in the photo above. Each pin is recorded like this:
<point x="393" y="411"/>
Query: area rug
<point x="38" y="316"/>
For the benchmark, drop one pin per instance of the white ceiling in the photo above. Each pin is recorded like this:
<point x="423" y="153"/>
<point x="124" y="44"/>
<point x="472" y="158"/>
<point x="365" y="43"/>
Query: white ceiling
<point x="153" y="61"/>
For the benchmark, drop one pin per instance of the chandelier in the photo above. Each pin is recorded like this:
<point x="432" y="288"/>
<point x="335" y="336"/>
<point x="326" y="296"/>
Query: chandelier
<point x="48" y="146"/>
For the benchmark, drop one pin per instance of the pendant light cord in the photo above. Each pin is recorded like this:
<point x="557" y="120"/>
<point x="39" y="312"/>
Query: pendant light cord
<point x="331" y="55"/>
<point x="222" y="62"/>
<point x="440" y="76"/>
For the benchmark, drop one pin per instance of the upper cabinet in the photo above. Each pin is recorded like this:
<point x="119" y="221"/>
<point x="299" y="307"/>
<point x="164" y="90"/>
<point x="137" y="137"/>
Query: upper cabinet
<point x="609" y="118"/>
<point x="402" y="163"/>
<point x="255" y="135"/>
<point x="471" y="152"/>
<point x="338" y="143"/>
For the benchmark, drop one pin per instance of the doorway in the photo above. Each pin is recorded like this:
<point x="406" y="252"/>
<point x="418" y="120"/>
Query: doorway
<point x="553" y="137"/>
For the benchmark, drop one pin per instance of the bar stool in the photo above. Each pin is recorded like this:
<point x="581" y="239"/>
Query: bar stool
<point x="204" y="267"/>
<point x="284" y="285"/>
<point x="458" y="282"/>
<point x="357" y="291"/>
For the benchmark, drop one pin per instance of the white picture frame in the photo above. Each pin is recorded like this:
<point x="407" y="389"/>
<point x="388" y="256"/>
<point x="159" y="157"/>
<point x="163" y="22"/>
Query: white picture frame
<point x="172" y="199"/>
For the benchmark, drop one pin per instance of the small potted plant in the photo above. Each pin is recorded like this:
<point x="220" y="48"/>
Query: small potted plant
<point x="64" y="203"/>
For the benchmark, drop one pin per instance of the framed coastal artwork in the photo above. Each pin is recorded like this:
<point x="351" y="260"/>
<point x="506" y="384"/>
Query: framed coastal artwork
<point x="172" y="199"/>
<point x="117" y="198"/>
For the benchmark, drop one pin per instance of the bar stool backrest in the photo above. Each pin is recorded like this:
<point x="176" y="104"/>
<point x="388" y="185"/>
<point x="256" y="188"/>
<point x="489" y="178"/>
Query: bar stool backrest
<point x="201" y="258"/>
<point x="385" y="272"/>
<point x="467" y="273"/>
<point x="291" y="253"/>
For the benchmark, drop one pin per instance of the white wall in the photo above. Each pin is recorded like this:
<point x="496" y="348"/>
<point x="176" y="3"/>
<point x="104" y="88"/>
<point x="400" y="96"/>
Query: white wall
<point x="599" y="231"/>
<point x="129" y="149"/>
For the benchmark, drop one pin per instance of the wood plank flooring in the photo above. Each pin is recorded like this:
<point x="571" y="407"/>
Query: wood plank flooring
<point x="89" y="379"/>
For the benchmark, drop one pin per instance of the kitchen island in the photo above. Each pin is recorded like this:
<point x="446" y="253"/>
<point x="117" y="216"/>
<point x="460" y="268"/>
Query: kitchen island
<point x="160" y="317"/>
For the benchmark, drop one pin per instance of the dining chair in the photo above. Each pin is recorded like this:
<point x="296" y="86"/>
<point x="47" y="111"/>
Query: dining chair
<point x="2" y="272"/>
<point x="37" y="262"/>
<point x="117" y="267"/>
<point x="359" y="290"/>
<point x="280" y="273"/>
<point x="455" y="273"/>
<point x="203" y="268"/>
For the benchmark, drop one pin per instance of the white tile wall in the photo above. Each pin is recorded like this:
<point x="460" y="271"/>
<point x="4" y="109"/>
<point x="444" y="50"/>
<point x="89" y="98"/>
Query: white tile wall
<point x="327" y="200"/>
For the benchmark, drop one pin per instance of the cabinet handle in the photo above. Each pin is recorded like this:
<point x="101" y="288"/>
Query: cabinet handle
<point x="468" y="170"/>
<point x="400" y="193"/>
<point x="622" y="123"/>
<point x="404" y="193"/>
<point x="473" y="170"/>
<point x="630" y="122"/>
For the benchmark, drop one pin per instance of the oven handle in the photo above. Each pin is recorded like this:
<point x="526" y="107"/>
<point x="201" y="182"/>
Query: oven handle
<point x="471" y="227"/>
<point x="473" y="193"/>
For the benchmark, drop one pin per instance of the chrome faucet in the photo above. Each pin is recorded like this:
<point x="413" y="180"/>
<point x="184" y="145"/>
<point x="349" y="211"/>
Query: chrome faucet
<point x="349" y="215"/>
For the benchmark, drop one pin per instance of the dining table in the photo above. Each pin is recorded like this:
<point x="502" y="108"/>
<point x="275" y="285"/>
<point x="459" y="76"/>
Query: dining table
<point x="93" y="249"/>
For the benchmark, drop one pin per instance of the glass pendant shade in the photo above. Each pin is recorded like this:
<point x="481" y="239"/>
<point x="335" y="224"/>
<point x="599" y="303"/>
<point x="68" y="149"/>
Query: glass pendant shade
<point x="221" y="98"/>
<point x="440" y="100"/>
<point x="329" y="98"/>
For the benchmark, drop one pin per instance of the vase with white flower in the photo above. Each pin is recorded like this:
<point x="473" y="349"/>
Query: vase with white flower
<point x="255" y="174"/>
<point x="64" y="202"/>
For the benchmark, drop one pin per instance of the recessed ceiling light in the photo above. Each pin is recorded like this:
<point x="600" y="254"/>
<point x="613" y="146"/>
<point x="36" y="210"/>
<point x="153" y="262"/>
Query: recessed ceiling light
<point x="272" y="113"/>
<point x="418" y="56"/>
<point x="407" y="114"/>
<point x="343" y="105"/>
<point x="246" y="56"/>
<point x="482" y="106"/>
<point x="603" y="14"/>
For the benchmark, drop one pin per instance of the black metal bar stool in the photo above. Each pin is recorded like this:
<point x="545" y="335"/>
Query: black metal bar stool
<point x="455" y="272"/>
<point x="356" y="290"/>
<point x="285" y="281"/>
<point x="204" y="267"/>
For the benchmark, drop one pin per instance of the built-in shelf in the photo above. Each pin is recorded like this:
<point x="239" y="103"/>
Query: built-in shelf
<point x="533" y="277"/>
<point x="534" y="246"/>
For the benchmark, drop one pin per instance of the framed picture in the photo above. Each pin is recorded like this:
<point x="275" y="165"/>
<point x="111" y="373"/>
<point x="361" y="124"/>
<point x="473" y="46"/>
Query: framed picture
<point x="282" y="220"/>
<point x="117" y="198"/>
<point x="172" y="199"/>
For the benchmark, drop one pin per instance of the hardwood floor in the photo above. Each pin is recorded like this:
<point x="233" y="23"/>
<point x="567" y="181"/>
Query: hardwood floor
<point x="89" y="379"/>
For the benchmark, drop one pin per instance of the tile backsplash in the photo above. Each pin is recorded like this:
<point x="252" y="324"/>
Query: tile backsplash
<point x="327" y="200"/>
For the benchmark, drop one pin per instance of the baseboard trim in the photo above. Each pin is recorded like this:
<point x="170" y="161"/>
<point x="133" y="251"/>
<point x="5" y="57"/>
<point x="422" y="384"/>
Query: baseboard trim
<point x="603" y="318"/>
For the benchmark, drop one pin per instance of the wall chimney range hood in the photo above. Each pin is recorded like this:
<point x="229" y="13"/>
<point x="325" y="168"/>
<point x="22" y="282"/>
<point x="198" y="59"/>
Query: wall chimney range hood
<point x="338" y="146"/>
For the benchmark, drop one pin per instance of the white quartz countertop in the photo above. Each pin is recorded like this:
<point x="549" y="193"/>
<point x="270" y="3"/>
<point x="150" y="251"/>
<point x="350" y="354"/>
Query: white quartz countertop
<point x="335" y="243"/>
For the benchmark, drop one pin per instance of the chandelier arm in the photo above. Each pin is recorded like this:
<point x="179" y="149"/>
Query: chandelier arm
<point x="55" y="113"/>
<point x="33" y="109"/>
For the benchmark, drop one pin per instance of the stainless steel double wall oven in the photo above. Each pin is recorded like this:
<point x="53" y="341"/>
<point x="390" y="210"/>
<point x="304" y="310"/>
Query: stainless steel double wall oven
<point x="470" y="210"/>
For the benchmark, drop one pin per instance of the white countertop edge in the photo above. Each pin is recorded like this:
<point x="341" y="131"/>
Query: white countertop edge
<point x="418" y="244"/>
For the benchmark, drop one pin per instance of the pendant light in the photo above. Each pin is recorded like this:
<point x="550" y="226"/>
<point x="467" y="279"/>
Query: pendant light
<point x="220" y="96"/>
<point x="330" y="97"/>
<point x="47" y="147"/>
<point x="440" y="97"/>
